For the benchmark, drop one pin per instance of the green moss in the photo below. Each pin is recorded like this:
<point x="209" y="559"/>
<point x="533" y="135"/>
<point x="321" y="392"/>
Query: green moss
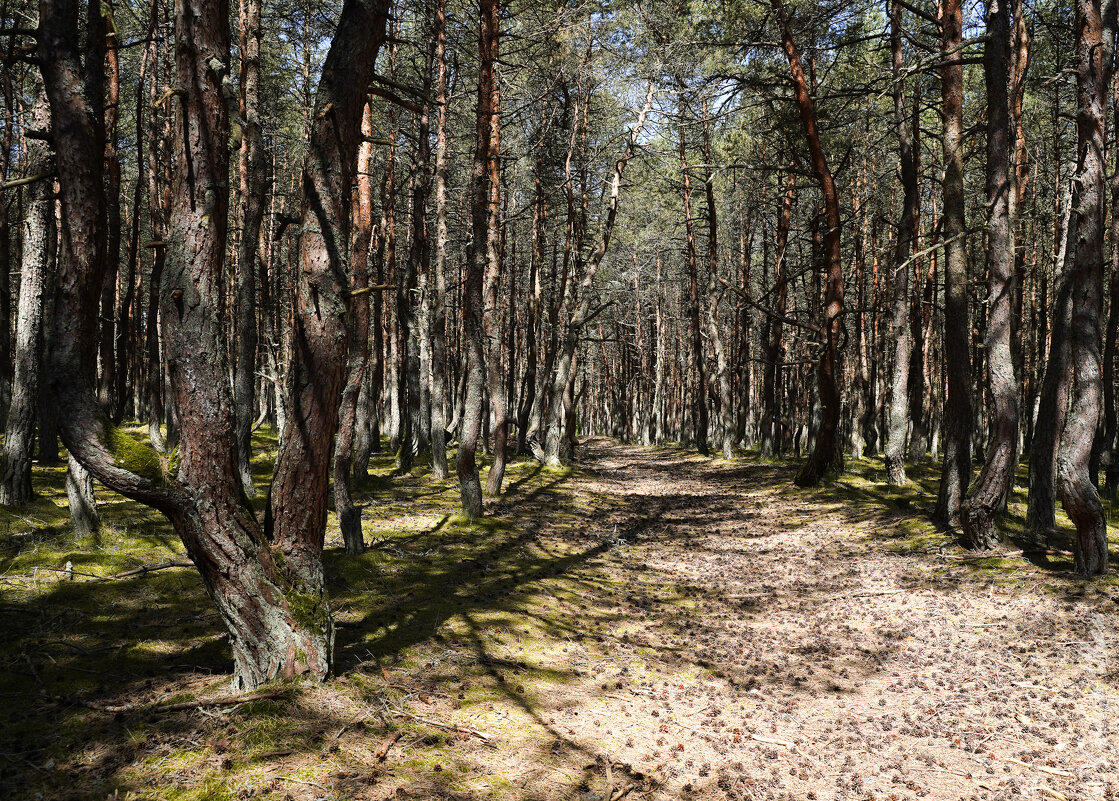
<point x="128" y="453"/>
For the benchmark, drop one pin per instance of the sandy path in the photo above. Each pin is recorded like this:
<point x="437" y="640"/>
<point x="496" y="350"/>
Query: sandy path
<point x="761" y="642"/>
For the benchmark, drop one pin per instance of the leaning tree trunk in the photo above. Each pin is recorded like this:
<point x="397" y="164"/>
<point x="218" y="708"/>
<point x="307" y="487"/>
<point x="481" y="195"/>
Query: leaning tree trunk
<point x="826" y="455"/>
<point x="897" y="423"/>
<point x="38" y="238"/>
<point x="956" y="472"/>
<point x="989" y="495"/>
<point x="1095" y="31"/>
<point x="263" y="582"/>
<point x="297" y="521"/>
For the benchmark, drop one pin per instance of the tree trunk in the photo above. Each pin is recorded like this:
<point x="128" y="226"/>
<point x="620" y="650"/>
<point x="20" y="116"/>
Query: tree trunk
<point x="897" y="426"/>
<point x="1095" y="32"/>
<point x="38" y="238"/>
<point x="481" y="219"/>
<point x="698" y="378"/>
<point x="559" y="426"/>
<point x="491" y="318"/>
<point x="251" y="173"/>
<point x="266" y="583"/>
<point x="38" y="244"/>
<point x="826" y="455"/>
<point x="989" y="495"/>
<point x="439" y="265"/>
<point x="774" y="352"/>
<point x="956" y="472"/>
<point x="349" y="515"/>
<point x="722" y="372"/>
<point x="84" y="520"/>
<point x="106" y="32"/>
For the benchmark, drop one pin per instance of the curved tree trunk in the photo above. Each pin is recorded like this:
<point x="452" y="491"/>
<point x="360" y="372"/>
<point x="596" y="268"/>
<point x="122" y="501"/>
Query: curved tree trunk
<point x="1095" y="32"/>
<point x="266" y="583"/>
<point x="558" y="429"/>
<point x="989" y="495"/>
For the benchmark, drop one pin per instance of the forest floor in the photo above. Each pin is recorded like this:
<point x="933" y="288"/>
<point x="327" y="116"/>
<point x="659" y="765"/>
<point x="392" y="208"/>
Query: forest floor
<point x="652" y="625"/>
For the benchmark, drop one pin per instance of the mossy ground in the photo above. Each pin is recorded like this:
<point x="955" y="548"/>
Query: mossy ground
<point x="598" y="628"/>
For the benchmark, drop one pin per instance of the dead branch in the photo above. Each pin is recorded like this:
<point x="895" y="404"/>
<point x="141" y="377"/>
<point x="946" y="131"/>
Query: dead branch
<point x="444" y="726"/>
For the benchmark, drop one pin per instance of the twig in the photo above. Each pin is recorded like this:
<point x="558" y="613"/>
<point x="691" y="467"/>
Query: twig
<point x="145" y="569"/>
<point x="303" y="781"/>
<point x="387" y="745"/>
<point x="867" y="594"/>
<point x="771" y="740"/>
<point x="1053" y="793"/>
<point x="980" y="556"/>
<point x="1042" y="768"/>
<point x="445" y="726"/>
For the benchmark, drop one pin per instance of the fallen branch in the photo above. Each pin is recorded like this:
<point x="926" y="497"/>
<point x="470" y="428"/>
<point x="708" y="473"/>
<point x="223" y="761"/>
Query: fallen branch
<point x="867" y="594"/>
<point x="621" y="793"/>
<point x="387" y="745"/>
<point x="176" y="707"/>
<point x="143" y="570"/>
<point x="445" y="726"/>
<point x="981" y="556"/>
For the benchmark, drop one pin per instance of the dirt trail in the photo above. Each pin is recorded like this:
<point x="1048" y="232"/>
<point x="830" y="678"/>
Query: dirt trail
<point x="762" y="642"/>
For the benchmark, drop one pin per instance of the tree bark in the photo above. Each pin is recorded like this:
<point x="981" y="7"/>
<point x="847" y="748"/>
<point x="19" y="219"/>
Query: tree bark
<point x="956" y="472"/>
<point x="1095" y="31"/>
<point x="897" y="426"/>
<point x="989" y="495"/>
<point x="251" y="173"/>
<point x="698" y="377"/>
<point x="38" y="243"/>
<point x="439" y="265"/>
<point x="472" y="299"/>
<point x="826" y="455"/>
<point x="84" y="520"/>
